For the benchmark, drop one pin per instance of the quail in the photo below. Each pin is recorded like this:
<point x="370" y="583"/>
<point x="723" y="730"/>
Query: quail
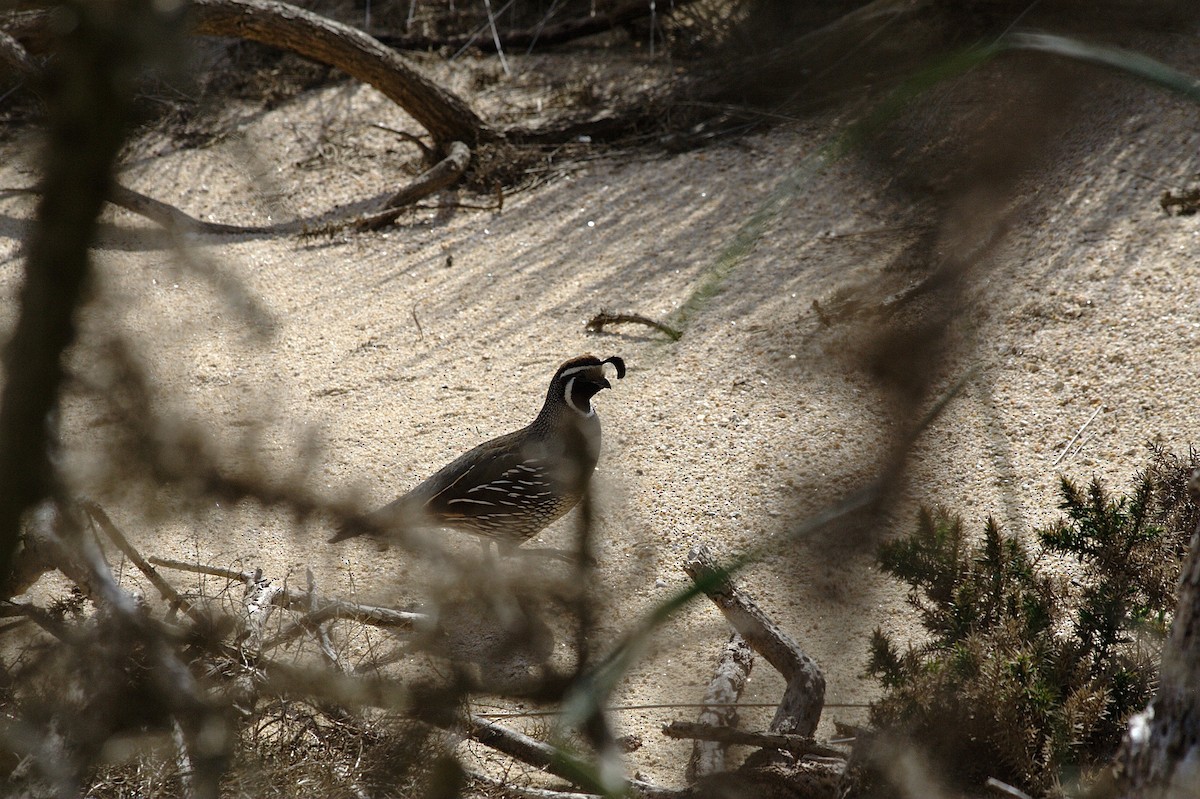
<point x="510" y="488"/>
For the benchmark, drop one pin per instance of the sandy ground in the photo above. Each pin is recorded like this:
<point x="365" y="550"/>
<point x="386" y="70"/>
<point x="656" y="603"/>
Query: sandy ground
<point x="394" y="352"/>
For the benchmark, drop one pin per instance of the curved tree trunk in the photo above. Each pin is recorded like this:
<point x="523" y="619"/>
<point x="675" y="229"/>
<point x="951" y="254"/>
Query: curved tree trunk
<point x="276" y="24"/>
<point x="444" y="115"/>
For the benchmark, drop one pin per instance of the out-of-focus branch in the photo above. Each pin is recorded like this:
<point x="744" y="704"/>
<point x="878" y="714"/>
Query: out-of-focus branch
<point x="88" y="104"/>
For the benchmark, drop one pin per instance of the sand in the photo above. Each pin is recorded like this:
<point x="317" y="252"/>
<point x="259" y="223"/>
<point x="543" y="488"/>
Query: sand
<point x="387" y="354"/>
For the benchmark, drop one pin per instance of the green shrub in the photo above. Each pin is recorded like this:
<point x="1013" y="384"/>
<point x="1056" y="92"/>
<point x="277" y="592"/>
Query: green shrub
<point x="1027" y="676"/>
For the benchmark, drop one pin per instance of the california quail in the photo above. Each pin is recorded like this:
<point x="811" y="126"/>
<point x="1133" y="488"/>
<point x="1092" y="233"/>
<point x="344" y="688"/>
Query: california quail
<point x="510" y="488"/>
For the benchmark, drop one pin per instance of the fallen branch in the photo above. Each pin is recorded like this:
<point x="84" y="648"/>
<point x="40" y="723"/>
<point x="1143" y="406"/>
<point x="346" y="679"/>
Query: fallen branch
<point x="720" y="707"/>
<point x="436" y="178"/>
<point x="176" y="221"/>
<point x="542" y="755"/>
<point x="800" y="710"/>
<point x="598" y="322"/>
<point x="796" y="744"/>
<point x="532" y="793"/>
<point x="276" y="24"/>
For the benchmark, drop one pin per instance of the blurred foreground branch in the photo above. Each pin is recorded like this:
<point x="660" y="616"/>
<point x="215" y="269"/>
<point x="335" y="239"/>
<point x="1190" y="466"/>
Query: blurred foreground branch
<point x="88" y="95"/>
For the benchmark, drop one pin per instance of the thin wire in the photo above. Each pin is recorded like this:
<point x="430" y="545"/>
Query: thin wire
<point x="512" y="714"/>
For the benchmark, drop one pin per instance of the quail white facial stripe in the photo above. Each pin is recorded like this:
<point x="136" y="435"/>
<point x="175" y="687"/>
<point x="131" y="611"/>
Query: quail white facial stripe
<point x="574" y="370"/>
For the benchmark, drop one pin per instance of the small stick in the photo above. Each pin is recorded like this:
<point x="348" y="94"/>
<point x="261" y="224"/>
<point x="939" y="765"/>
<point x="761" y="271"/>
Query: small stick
<point x="117" y="537"/>
<point x="1004" y="787"/>
<point x="797" y="744"/>
<point x="800" y="710"/>
<point x="201" y="568"/>
<point x="420" y="332"/>
<point x="532" y="793"/>
<point x="487" y="4"/>
<point x="327" y="609"/>
<point x="426" y="150"/>
<point x="598" y="322"/>
<point x="520" y="746"/>
<point x="1075" y="437"/>
<point x="317" y="628"/>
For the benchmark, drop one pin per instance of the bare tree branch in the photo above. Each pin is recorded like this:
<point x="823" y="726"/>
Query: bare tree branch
<point x="88" y="90"/>
<point x="444" y="115"/>
<point x="542" y="755"/>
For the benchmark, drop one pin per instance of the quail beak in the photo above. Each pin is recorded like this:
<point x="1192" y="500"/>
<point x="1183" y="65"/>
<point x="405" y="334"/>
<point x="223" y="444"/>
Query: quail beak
<point x="603" y="383"/>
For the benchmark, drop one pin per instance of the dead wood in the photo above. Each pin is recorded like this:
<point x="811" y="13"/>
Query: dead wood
<point x="539" y="754"/>
<point x="439" y="176"/>
<point x="800" y="710"/>
<point x="319" y="608"/>
<point x="720" y="711"/>
<point x="542" y="35"/>
<point x="509" y="789"/>
<point x="165" y="589"/>
<point x="447" y="117"/>
<point x="174" y="220"/>
<point x="796" y="744"/>
<point x="601" y="320"/>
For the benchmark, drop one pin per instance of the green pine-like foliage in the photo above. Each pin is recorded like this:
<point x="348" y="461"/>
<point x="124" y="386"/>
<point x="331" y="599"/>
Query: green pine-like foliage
<point x="1035" y="656"/>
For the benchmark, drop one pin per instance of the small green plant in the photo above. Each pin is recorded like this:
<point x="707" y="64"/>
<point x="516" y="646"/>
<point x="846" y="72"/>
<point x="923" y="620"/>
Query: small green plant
<point x="1027" y="676"/>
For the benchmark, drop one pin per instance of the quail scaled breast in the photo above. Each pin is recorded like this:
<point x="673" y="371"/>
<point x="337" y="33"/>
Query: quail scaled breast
<point x="510" y="488"/>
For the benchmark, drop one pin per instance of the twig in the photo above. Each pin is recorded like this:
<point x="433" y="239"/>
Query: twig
<point x="1075" y="437"/>
<point x="417" y="322"/>
<point x="318" y="628"/>
<point x="541" y="755"/>
<point x="992" y="782"/>
<point x="532" y="793"/>
<point x="326" y="609"/>
<point x="426" y="150"/>
<point x="115" y="535"/>
<point x="487" y="4"/>
<point x="796" y="744"/>
<point x="598" y="322"/>
<point x="201" y="568"/>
